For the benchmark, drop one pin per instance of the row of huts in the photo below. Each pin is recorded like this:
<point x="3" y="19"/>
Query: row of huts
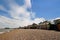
<point x="46" y="25"/>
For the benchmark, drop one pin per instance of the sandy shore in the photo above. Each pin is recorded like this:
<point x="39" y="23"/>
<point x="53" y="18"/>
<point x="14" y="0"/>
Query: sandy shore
<point x="30" y="34"/>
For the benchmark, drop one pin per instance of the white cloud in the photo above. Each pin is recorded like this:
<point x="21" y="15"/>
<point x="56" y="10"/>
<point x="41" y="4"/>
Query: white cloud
<point x="57" y="18"/>
<point x="20" y="15"/>
<point x="38" y="20"/>
<point x="1" y="7"/>
<point x="7" y="22"/>
<point x="28" y="3"/>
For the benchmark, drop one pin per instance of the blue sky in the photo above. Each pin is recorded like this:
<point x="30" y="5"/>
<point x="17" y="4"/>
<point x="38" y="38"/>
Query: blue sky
<point x="15" y="13"/>
<point x="48" y="9"/>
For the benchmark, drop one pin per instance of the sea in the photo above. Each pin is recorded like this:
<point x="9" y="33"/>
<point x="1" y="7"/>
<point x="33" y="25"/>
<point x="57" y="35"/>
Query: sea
<point x="5" y="30"/>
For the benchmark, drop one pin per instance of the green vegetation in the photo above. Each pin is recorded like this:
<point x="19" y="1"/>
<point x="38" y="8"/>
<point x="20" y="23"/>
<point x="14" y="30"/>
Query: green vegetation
<point x="7" y="28"/>
<point x="46" y="25"/>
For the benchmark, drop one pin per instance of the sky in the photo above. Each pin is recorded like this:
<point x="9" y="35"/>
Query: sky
<point x="15" y="13"/>
<point x="48" y="9"/>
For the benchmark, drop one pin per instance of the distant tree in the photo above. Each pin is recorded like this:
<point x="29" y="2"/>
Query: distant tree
<point x="40" y="23"/>
<point x="34" y="26"/>
<point x="19" y="27"/>
<point x="57" y="21"/>
<point x="7" y="28"/>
